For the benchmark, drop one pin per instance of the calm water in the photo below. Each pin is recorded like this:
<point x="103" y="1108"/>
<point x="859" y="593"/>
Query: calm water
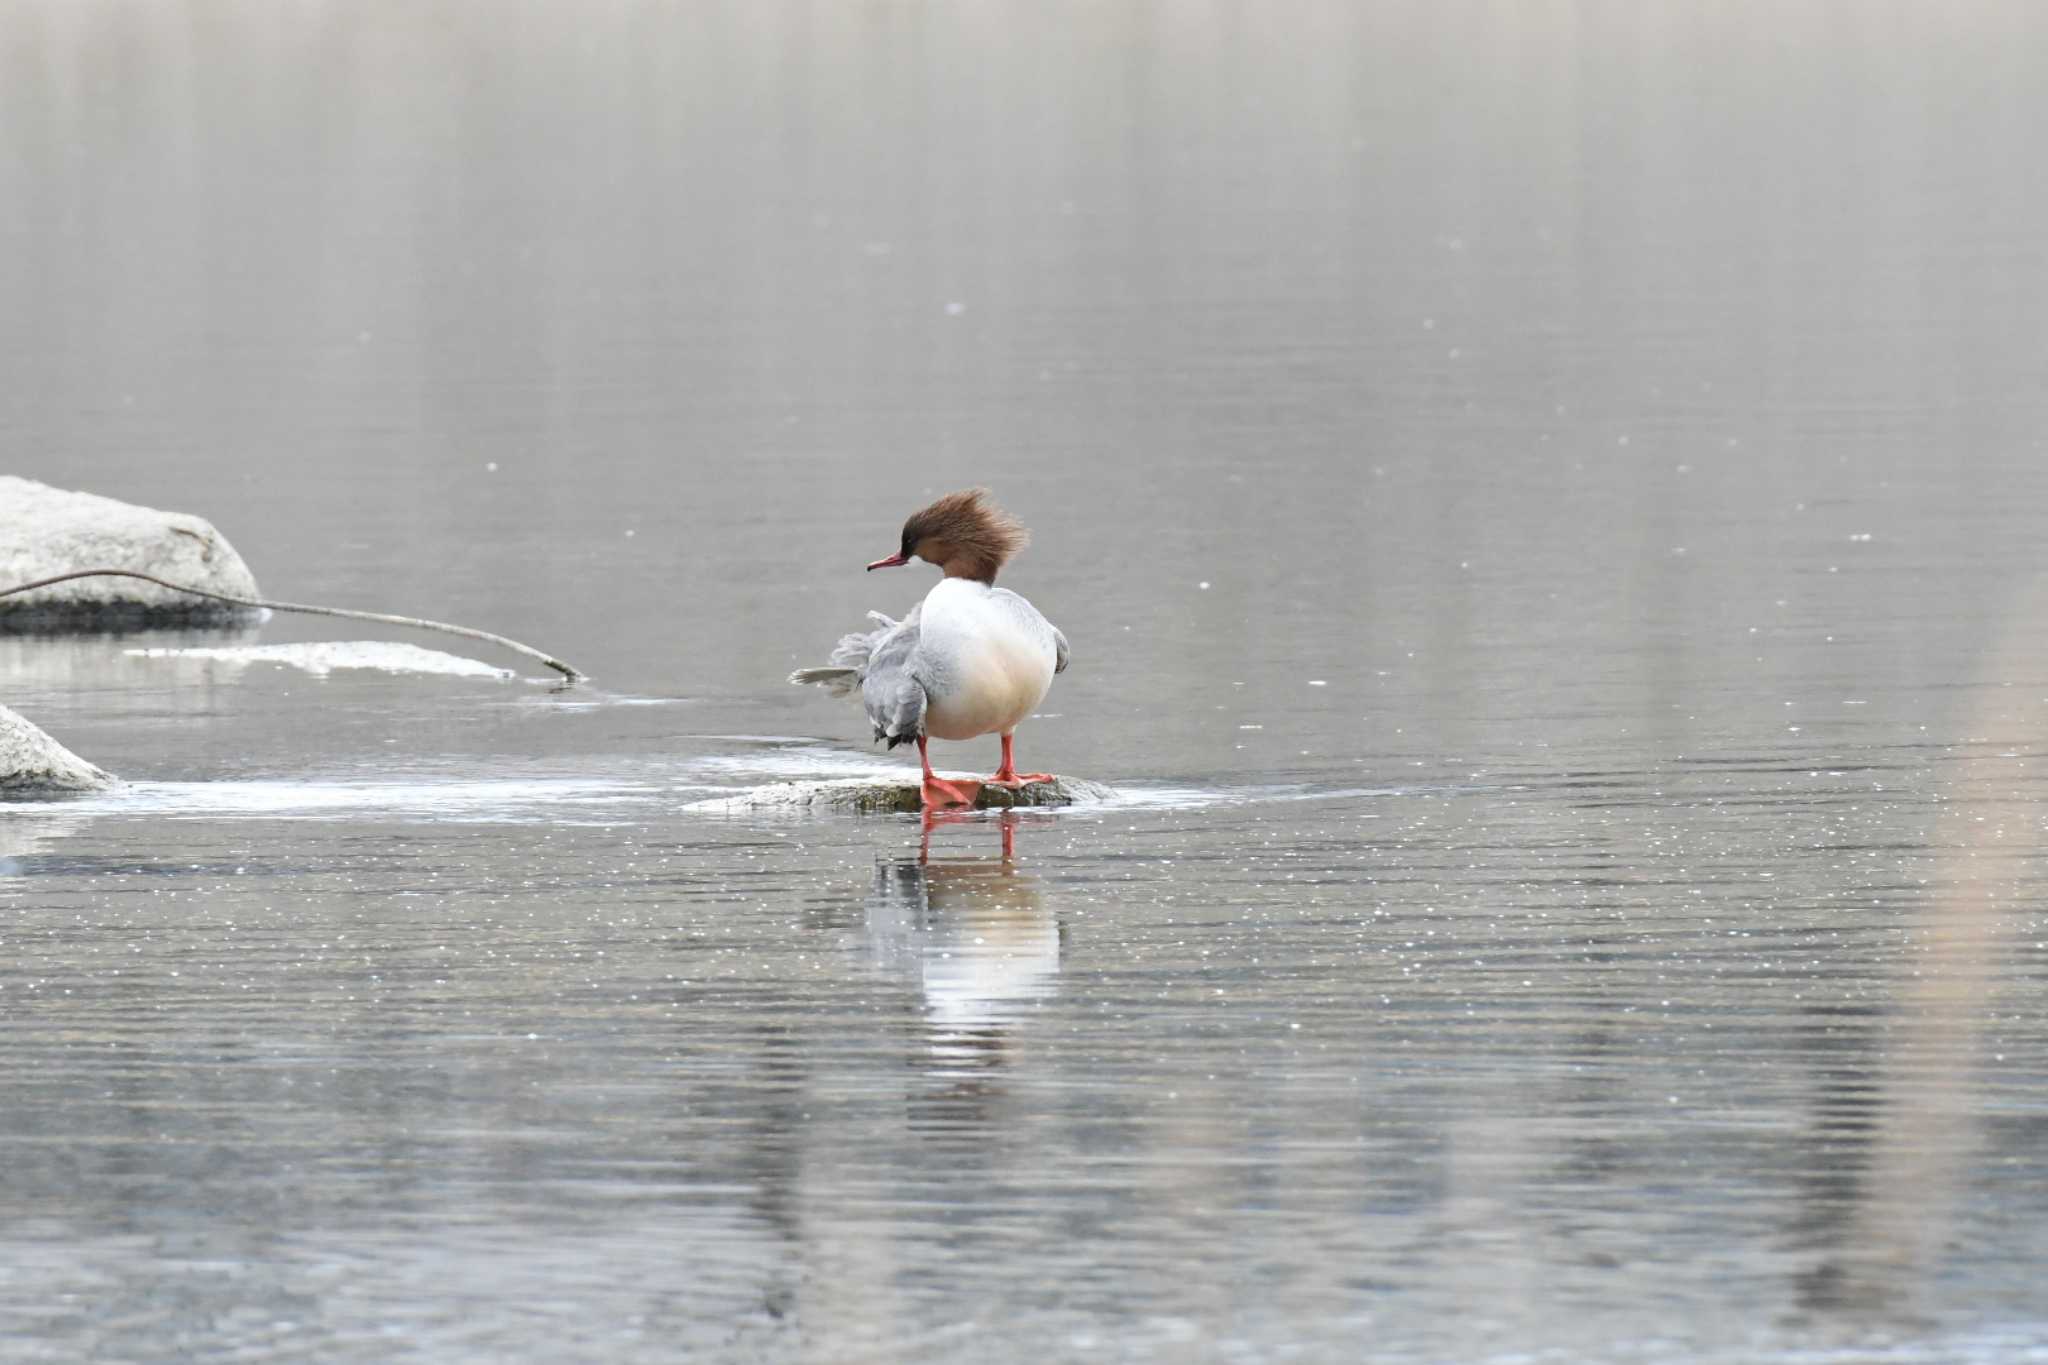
<point x="1547" y="502"/>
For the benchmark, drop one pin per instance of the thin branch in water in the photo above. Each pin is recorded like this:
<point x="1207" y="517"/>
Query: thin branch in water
<point x="382" y="618"/>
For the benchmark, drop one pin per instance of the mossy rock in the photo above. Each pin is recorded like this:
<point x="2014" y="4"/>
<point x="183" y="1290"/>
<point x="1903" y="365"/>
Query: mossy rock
<point x="867" y="795"/>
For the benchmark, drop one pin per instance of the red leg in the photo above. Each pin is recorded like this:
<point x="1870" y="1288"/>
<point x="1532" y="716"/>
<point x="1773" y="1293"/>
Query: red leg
<point x="940" y="791"/>
<point x="1008" y="776"/>
<point x="935" y="817"/>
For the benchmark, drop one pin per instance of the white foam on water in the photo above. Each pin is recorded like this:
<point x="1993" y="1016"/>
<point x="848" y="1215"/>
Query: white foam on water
<point x="584" y="699"/>
<point x="788" y="776"/>
<point x="323" y="657"/>
<point x="519" y="800"/>
<point x="1151" y="797"/>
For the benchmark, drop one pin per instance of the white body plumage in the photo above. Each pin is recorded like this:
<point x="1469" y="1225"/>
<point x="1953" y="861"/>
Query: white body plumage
<point x="985" y="656"/>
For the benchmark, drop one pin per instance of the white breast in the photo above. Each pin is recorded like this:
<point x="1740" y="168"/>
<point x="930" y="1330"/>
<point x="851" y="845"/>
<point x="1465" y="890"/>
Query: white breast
<point x="986" y="656"/>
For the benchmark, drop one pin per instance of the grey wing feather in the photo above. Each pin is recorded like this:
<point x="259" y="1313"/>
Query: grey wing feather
<point x="883" y="664"/>
<point x="1059" y="650"/>
<point x="890" y="687"/>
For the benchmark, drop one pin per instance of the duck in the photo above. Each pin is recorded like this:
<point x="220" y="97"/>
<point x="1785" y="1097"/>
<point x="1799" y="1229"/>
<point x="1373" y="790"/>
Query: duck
<point x="971" y="659"/>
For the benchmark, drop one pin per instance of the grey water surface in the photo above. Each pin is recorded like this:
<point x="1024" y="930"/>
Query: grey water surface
<point x="1548" y="504"/>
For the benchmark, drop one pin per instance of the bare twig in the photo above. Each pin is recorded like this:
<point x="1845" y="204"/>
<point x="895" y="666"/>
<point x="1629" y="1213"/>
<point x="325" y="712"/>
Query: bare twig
<point x="382" y="618"/>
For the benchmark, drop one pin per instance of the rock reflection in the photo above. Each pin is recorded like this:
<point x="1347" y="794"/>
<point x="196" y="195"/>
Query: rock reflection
<point x="63" y="665"/>
<point x="974" y="932"/>
<point x="1846" y="1120"/>
<point x="1893" y="1140"/>
<point x="29" y="829"/>
<point x="1902" y="1125"/>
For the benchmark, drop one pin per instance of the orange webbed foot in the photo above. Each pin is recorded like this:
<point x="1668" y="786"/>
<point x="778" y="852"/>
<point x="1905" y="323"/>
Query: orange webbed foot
<point x="1016" y="779"/>
<point x="941" y="792"/>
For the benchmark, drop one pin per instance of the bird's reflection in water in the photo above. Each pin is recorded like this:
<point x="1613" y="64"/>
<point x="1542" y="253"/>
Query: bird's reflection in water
<point x="973" y="930"/>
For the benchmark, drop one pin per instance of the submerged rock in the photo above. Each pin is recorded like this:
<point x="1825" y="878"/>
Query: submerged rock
<point x="868" y="794"/>
<point x="31" y="762"/>
<point x="46" y="531"/>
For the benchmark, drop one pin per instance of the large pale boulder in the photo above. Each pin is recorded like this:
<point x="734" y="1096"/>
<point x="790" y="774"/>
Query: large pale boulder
<point x="46" y="531"/>
<point x="31" y="762"/>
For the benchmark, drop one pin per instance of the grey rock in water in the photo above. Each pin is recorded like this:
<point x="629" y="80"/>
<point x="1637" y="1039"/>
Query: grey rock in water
<point x="32" y="763"/>
<point x="46" y="531"/>
<point x="873" y="795"/>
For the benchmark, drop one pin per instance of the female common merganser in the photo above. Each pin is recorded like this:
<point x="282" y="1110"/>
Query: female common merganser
<point x="971" y="659"/>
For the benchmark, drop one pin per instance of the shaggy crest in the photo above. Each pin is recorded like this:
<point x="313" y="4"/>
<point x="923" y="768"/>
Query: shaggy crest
<point x="966" y="534"/>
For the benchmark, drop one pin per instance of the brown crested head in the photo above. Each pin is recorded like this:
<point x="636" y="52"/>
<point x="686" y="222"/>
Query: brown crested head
<point x="965" y="534"/>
